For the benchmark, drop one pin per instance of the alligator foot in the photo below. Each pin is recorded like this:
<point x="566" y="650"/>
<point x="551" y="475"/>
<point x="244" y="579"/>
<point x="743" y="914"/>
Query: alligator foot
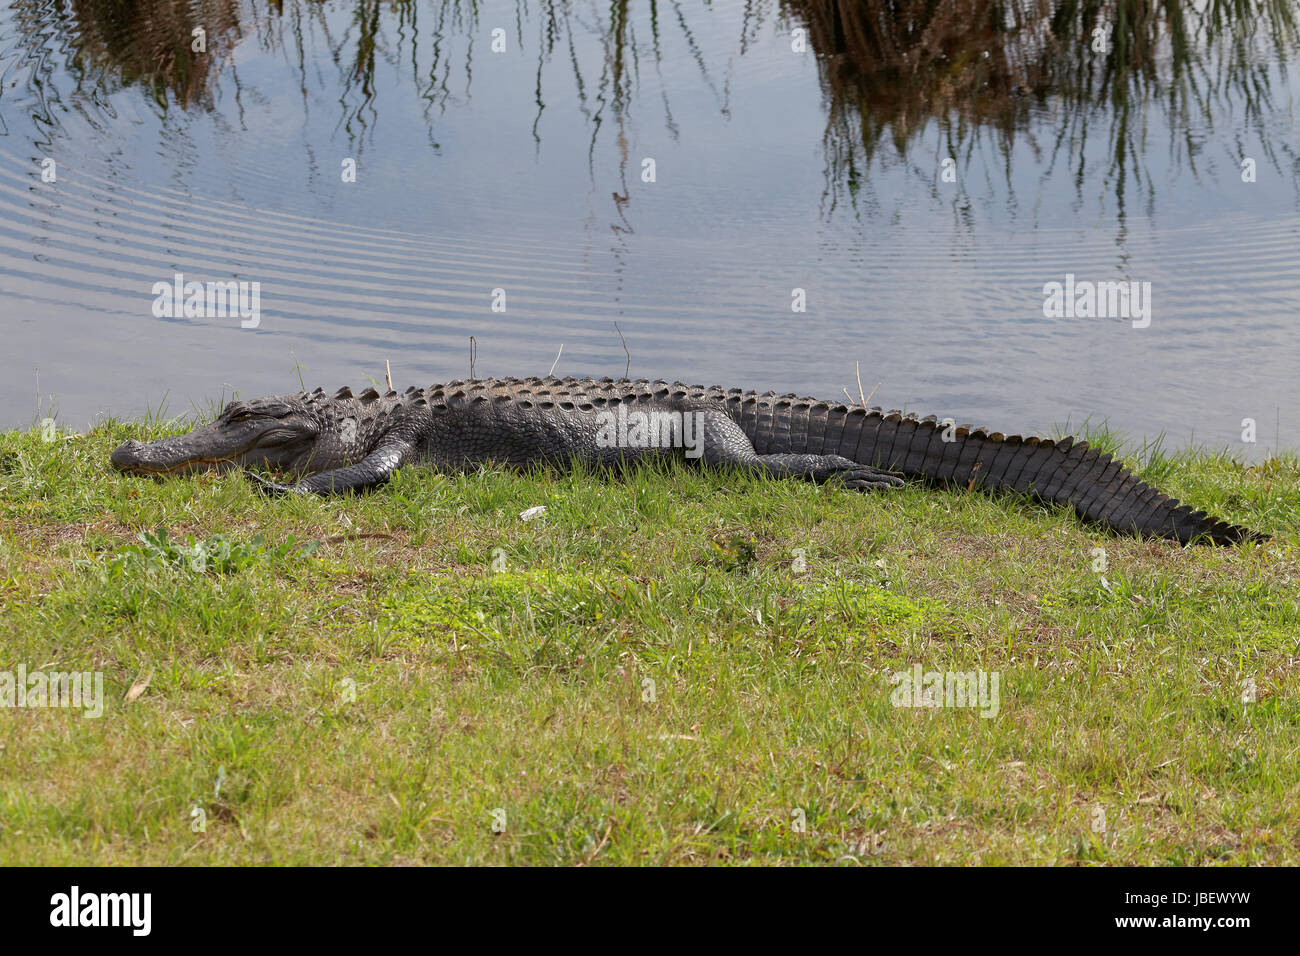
<point x="866" y="478"/>
<point x="269" y="487"/>
<point x="830" y="469"/>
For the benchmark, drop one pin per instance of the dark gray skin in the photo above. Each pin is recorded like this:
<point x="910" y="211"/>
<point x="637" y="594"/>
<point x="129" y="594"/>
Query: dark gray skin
<point x="341" y="443"/>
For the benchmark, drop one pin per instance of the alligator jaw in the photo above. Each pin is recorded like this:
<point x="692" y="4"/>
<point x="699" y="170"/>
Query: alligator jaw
<point x="170" y="456"/>
<point x="128" y="458"/>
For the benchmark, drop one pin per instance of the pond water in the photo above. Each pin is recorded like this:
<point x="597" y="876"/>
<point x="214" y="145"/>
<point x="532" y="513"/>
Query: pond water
<point x="677" y="177"/>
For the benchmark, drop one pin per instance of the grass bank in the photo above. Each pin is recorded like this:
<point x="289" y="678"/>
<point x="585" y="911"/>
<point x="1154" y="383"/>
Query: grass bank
<point x="671" y="667"/>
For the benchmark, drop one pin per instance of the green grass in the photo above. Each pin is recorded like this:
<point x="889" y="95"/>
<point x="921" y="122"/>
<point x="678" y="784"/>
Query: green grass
<point x="671" y="667"/>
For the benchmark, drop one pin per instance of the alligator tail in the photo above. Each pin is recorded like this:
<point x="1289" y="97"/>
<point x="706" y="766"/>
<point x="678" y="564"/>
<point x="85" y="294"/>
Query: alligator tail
<point x="1067" y="472"/>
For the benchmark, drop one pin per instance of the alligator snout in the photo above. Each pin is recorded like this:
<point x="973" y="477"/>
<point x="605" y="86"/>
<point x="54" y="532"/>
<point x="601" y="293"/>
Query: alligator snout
<point x="162" y="457"/>
<point x="127" y="454"/>
<point x="179" y="454"/>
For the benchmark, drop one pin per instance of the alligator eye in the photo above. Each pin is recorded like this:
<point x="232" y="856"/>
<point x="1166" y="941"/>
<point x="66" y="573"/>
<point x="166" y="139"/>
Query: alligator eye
<point x="277" y="436"/>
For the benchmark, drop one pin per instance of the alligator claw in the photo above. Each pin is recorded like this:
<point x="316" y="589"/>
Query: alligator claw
<point x="866" y="478"/>
<point x="268" y="487"/>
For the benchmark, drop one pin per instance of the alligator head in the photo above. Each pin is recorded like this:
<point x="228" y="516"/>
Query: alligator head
<point x="279" y="433"/>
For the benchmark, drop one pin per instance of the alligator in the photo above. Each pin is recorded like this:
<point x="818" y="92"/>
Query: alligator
<point x="345" y="442"/>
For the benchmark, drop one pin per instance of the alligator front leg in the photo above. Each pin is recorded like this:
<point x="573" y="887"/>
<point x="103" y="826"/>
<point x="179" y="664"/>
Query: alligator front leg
<point x="725" y="443"/>
<point x="374" y="469"/>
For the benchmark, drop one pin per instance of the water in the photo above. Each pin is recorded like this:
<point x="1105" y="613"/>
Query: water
<point x="774" y="170"/>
